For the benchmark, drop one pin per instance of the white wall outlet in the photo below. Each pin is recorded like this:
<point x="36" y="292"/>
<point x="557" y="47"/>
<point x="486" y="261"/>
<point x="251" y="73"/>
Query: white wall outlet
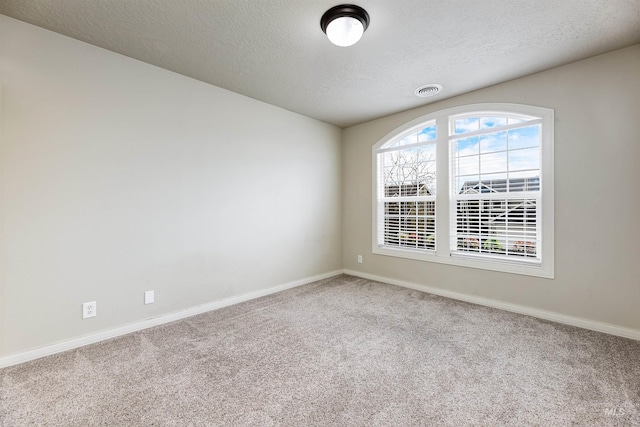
<point x="89" y="309"/>
<point x="149" y="297"/>
<point x="359" y="259"/>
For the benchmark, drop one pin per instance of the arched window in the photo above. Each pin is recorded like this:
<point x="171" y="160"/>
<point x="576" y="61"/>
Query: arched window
<point x="469" y="186"/>
<point x="407" y="189"/>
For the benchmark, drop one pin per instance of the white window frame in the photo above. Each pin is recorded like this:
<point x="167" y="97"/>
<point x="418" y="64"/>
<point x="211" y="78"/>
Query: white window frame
<point x="443" y="253"/>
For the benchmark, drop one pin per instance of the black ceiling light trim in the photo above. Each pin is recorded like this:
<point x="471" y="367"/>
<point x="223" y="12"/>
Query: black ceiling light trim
<point x="344" y="10"/>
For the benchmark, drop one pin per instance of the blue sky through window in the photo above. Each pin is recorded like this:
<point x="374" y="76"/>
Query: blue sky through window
<point x="507" y="154"/>
<point x="427" y="134"/>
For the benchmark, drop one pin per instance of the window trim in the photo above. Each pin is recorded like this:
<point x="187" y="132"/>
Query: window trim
<point x="443" y="254"/>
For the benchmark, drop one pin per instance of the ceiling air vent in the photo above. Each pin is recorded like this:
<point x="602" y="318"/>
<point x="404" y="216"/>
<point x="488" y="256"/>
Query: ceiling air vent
<point x="426" y="91"/>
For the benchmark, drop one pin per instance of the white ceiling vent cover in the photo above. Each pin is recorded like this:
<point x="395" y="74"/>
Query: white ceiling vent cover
<point x="426" y="91"/>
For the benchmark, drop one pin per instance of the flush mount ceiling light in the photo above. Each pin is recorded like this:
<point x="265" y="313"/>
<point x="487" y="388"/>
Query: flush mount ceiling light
<point x="344" y="24"/>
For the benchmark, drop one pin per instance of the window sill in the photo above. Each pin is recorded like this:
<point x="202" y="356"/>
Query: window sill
<point x="544" y="270"/>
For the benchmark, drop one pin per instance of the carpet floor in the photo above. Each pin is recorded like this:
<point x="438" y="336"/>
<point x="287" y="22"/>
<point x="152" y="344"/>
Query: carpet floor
<point x="339" y="352"/>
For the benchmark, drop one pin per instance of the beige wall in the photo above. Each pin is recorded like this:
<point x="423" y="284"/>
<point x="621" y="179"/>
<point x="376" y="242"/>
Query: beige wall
<point x="597" y="195"/>
<point x="119" y="177"/>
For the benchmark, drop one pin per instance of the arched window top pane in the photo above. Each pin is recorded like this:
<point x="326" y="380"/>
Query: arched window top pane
<point x="426" y="132"/>
<point x="478" y="121"/>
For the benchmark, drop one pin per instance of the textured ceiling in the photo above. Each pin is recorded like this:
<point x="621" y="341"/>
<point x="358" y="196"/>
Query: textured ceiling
<point x="275" y="51"/>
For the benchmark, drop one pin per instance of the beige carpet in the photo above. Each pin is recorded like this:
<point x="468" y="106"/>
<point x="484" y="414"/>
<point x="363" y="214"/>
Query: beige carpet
<point x="343" y="351"/>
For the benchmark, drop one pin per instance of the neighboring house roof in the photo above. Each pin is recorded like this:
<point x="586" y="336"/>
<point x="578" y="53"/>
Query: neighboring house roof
<point x="412" y="189"/>
<point x="524" y="210"/>
<point x="500" y="185"/>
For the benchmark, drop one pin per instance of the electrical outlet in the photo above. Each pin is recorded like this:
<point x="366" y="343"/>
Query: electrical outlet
<point x="149" y="297"/>
<point x="359" y="259"/>
<point x="89" y="309"/>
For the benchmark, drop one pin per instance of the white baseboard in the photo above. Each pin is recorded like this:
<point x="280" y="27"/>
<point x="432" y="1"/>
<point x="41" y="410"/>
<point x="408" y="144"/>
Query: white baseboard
<point x="214" y="305"/>
<point x="154" y="321"/>
<point x="607" y="328"/>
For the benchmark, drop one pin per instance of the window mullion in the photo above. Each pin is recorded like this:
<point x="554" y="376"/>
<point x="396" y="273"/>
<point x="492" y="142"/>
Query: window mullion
<point x="442" y="187"/>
